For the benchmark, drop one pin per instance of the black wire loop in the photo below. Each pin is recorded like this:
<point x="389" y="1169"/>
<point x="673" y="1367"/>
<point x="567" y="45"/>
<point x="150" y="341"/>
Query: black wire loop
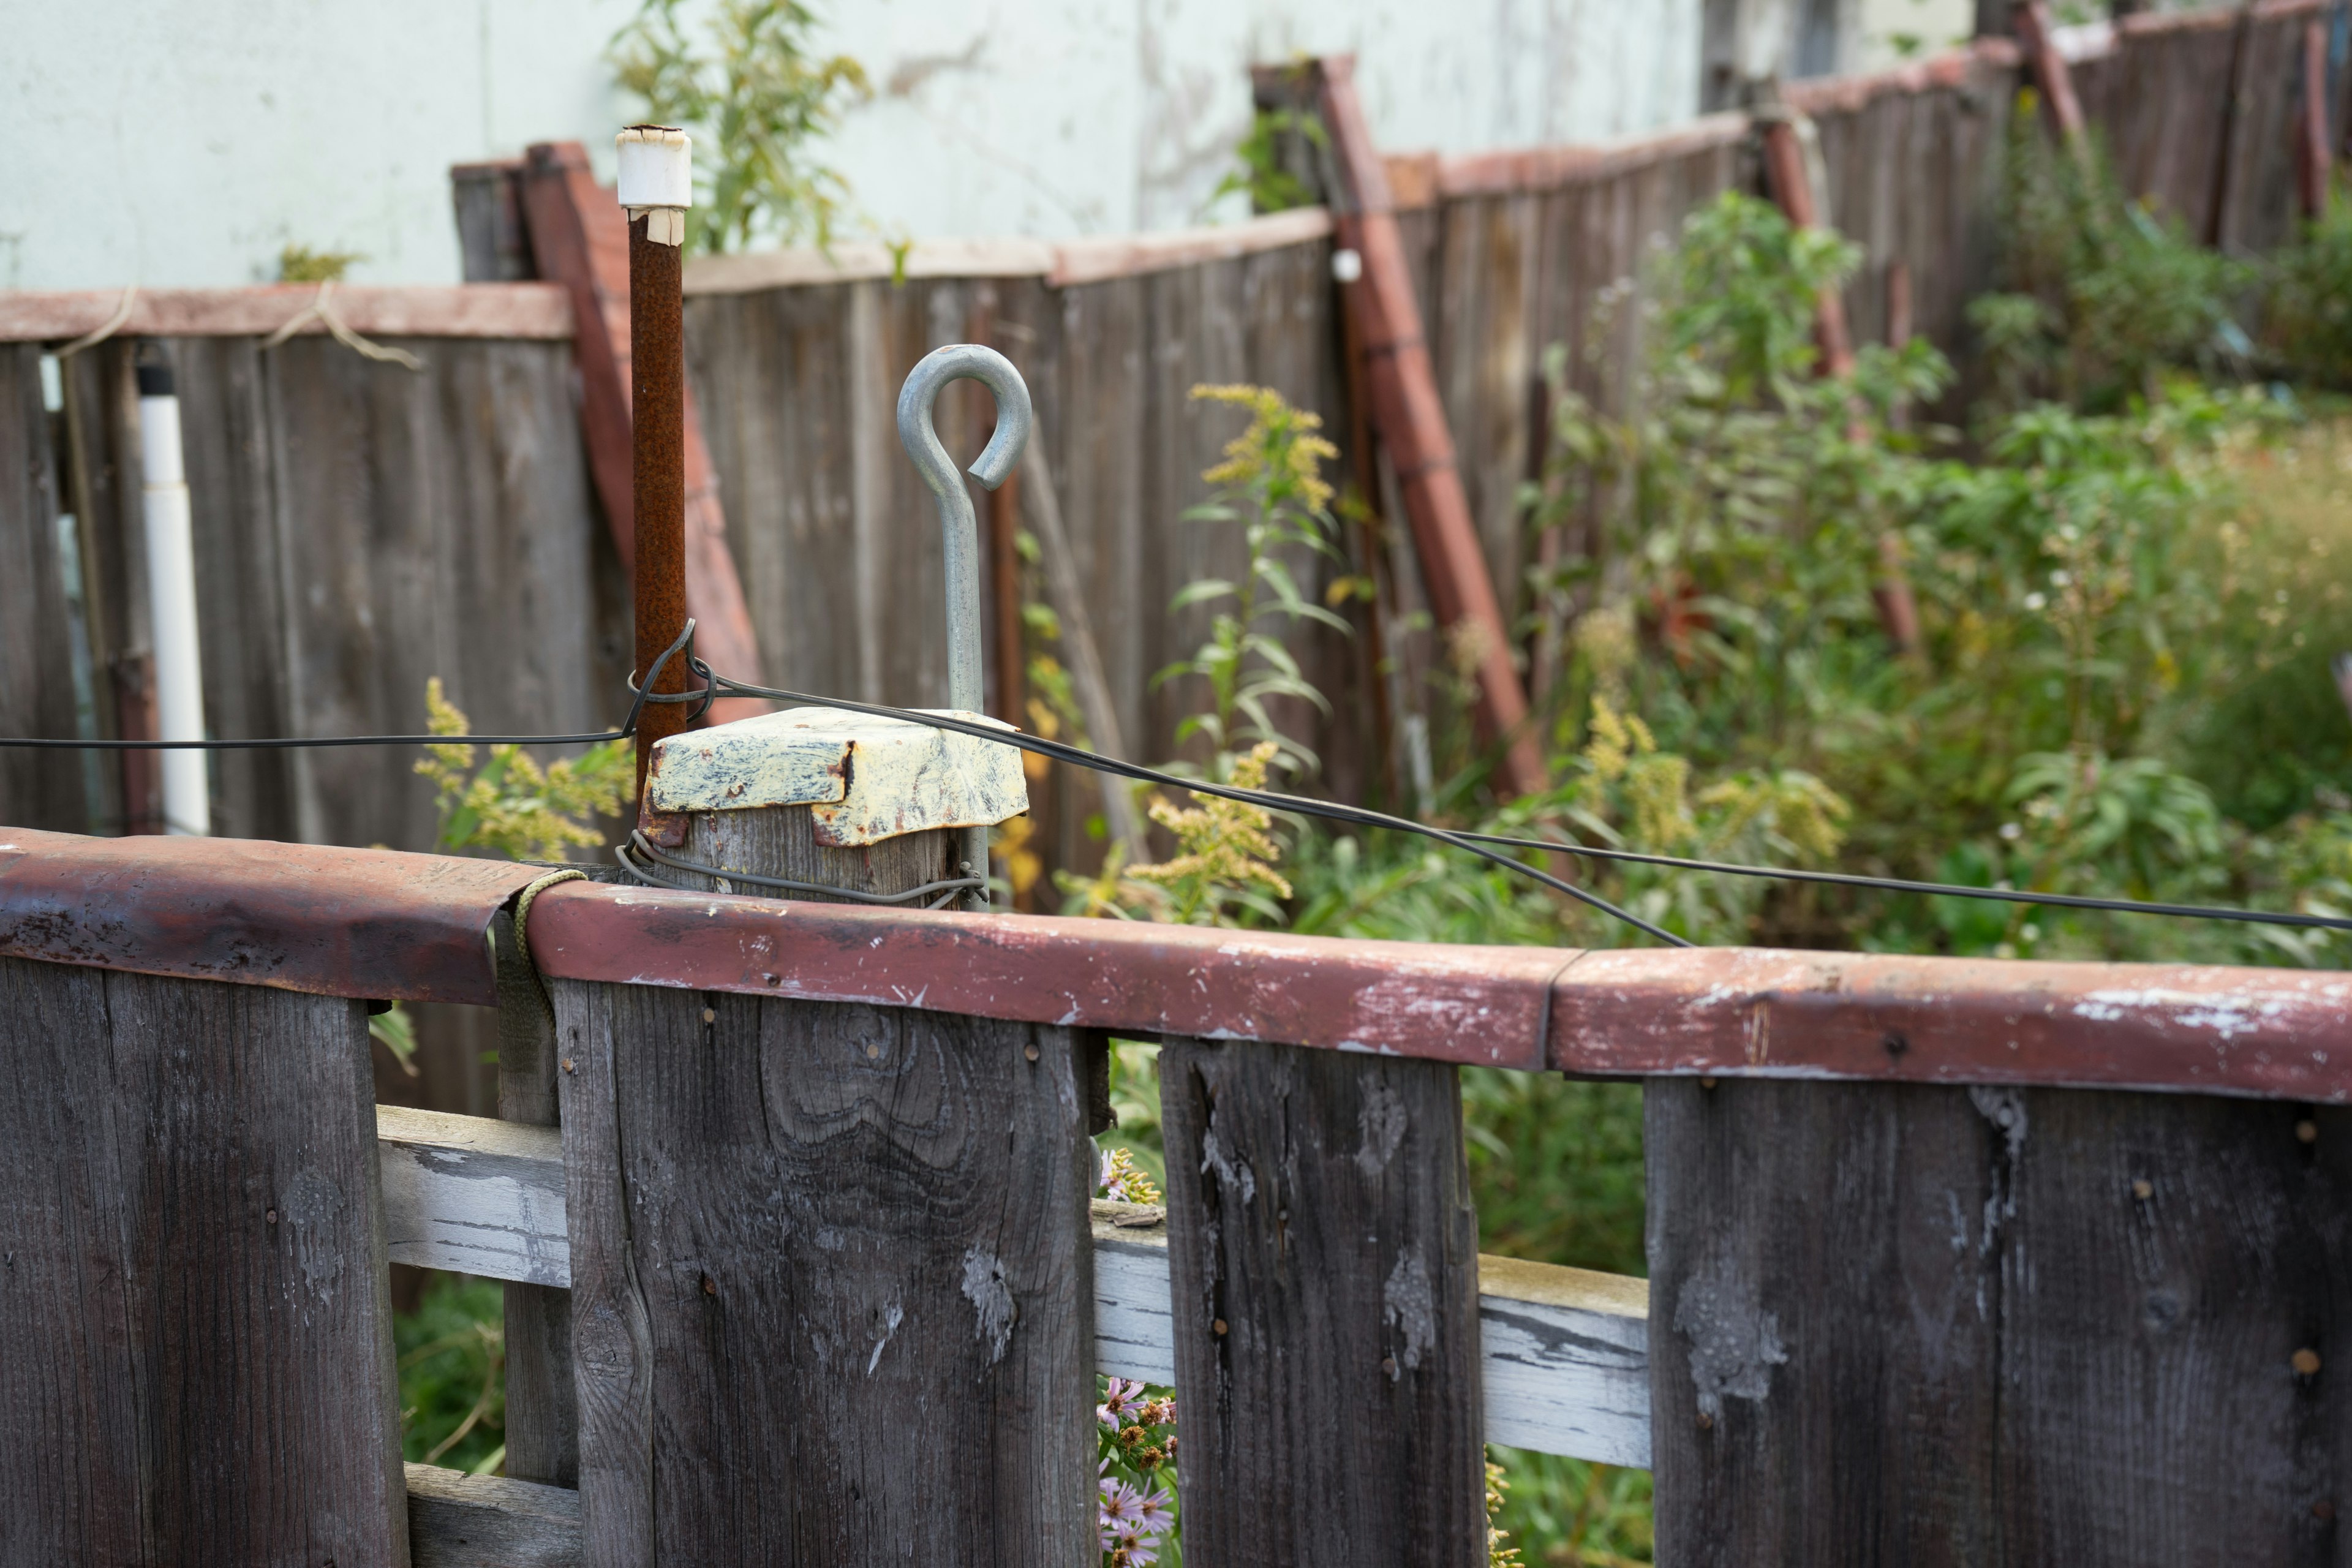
<point x="640" y="844"/>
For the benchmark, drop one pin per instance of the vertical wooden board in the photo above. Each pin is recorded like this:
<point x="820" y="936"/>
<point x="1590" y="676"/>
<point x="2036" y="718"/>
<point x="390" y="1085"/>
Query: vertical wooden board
<point x="224" y="438"/>
<point x="195" y="1344"/>
<point x="2172" y="92"/>
<point x="2152" y="1412"/>
<point x="1106" y="384"/>
<point x="772" y="379"/>
<point x="1823" y="1350"/>
<point x="1487" y="363"/>
<point x="1292" y="340"/>
<point x="37" y="789"/>
<point x="2260" y="206"/>
<point x="429" y="523"/>
<point x="1323" y="1272"/>
<point x="1194" y="318"/>
<point x="860" y="1239"/>
<point x="542" y="1410"/>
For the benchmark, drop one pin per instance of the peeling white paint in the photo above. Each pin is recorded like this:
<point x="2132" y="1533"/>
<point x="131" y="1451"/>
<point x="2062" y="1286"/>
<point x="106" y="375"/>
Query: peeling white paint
<point x="866" y="778"/>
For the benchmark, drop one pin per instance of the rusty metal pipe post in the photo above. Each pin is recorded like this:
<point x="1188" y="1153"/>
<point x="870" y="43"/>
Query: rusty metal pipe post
<point x="959" y="524"/>
<point x="656" y="188"/>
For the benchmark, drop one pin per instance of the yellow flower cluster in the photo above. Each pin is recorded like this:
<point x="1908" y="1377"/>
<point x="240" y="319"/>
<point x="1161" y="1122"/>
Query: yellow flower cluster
<point x="1279" y="450"/>
<point x="1227" y="844"/>
<point x="512" y="805"/>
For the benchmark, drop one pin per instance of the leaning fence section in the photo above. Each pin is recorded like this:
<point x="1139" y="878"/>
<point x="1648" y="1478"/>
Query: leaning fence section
<point x="1981" y="1261"/>
<point x="360" y="526"/>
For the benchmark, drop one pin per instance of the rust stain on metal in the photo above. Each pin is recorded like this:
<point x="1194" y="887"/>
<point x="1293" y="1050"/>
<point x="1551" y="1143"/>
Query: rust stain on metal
<point x="1480" y="1005"/>
<point x="657" y="409"/>
<point x="2276" y="1033"/>
<point x="335" y="922"/>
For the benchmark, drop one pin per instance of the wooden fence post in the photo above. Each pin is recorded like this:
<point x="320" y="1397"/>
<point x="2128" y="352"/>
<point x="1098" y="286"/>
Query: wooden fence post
<point x="1324" y="1276"/>
<point x="833" y="1282"/>
<point x="196" y="1335"/>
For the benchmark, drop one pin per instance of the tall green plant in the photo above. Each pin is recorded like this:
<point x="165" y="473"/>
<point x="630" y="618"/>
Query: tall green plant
<point x="1272" y="487"/>
<point x="757" y="99"/>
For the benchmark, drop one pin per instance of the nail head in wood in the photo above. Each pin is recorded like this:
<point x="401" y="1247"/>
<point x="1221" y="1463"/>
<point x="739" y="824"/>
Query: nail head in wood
<point x="2307" y="1131"/>
<point x="2143" y="1189"/>
<point x="2305" y="1362"/>
<point x="1030" y="1050"/>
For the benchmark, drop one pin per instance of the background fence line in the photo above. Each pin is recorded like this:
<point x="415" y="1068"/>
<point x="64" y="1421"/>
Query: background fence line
<point x="360" y="527"/>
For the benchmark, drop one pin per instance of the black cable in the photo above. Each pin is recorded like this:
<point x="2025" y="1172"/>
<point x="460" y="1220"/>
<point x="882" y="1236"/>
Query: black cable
<point x="1268" y="799"/>
<point x="1468" y="840"/>
<point x="639" y="844"/>
<point x="276" y="743"/>
<point x="714" y="685"/>
<point x="279" y="744"/>
<point x="1942" y="890"/>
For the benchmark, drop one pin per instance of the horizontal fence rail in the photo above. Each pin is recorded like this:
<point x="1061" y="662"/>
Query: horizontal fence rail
<point x="1564" y="1360"/>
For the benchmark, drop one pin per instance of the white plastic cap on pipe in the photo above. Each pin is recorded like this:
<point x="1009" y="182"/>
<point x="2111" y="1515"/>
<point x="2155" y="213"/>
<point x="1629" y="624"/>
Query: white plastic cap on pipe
<point x="658" y="179"/>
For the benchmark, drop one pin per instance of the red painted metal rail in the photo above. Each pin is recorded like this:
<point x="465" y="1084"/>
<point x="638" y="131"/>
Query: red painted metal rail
<point x="374" y="923"/>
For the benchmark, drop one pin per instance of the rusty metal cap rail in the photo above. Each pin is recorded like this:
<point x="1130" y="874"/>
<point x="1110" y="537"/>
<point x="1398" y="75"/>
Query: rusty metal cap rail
<point x="338" y="922"/>
<point x="374" y="923"/>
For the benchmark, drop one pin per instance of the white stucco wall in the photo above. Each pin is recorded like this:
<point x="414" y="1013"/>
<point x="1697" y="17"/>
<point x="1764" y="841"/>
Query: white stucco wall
<point x="183" y="144"/>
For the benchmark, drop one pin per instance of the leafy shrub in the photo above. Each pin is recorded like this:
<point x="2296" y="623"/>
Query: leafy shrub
<point x="2100" y="293"/>
<point x="755" y="103"/>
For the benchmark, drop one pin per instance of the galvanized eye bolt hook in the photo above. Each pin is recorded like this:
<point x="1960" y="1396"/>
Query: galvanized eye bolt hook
<point x="959" y="528"/>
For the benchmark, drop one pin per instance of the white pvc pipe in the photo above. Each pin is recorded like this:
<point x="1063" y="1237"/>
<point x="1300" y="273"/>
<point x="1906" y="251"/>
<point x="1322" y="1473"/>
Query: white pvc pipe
<point x="172" y="605"/>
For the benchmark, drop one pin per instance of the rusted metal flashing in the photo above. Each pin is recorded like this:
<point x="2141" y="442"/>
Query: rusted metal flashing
<point x="2282" y="1034"/>
<point x="334" y="922"/>
<point x="1486" y="1005"/>
<point x="378" y="923"/>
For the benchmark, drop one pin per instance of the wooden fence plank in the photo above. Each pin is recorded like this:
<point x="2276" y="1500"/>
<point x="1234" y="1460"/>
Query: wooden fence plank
<point x="474" y="1195"/>
<point x="37" y="789"/>
<point x="612" y="1346"/>
<point x="1910" y="1324"/>
<point x="1323" y="1267"/>
<point x="542" y="1407"/>
<point x="837" y="1217"/>
<point x="457" y="1521"/>
<point x="2154" y="1409"/>
<point x="196" y="1338"/>
<point x="427" y="525"/>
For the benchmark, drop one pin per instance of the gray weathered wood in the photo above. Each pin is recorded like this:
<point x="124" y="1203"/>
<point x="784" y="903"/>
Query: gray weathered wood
<point x="457" y="1521"/>
<point x="1324" y="1270"/>
<point x="612" y="1346"/>
<point x="37" y="789"/>
<point x="1910" y="1324"/>
<point x="839" y="1221"/>
<point x="781" y="841"/>
<point x="542" y="1414"/>
<point x="196" y="1338"/>
<point x="474" y="1195"/>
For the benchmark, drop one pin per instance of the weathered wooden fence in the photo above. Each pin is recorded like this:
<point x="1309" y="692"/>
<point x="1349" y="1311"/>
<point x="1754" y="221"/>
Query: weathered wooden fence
<point x="1950" y="1260"/>
<point x="360" y="526"/>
